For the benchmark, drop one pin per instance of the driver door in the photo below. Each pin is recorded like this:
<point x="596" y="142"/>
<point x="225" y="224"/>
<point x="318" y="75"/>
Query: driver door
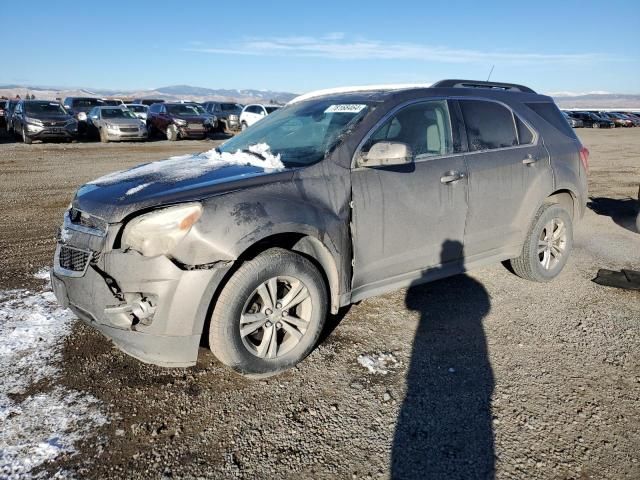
<point x="408" y="219"/>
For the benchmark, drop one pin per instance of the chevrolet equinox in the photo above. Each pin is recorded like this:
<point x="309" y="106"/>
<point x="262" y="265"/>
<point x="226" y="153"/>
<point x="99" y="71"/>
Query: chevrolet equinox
<point x="330" y="200"/>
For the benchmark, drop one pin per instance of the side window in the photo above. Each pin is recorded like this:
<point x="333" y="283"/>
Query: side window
<point x="425" y="127"/>
<point x="489" y="125"/>
<point x="525" y="136"/>
<point x="551" y="113"/>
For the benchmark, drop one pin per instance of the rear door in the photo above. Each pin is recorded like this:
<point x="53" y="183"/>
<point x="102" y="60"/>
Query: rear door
<point x="509" y="174"/>
<point x="409" y="218"/>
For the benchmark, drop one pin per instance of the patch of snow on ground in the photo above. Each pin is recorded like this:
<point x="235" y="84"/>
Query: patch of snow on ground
<point x="38" y="428"/>
<point x="182" y="167"/>
<point x="379" y="363"/>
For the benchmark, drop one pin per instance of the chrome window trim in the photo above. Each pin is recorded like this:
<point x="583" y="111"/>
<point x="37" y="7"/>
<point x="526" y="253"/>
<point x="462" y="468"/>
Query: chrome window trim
<point x="389" y="114"/>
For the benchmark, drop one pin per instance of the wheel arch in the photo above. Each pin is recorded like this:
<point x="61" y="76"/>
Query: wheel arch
<point x="566" y="199"/>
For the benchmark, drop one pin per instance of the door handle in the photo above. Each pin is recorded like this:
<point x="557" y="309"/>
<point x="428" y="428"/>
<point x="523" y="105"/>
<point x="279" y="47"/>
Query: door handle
<point x="452" y="176"/>
<point x="529" y="160"/>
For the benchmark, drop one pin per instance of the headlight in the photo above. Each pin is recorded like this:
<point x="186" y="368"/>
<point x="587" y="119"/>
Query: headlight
<point x="233" y="117"/>
<point x="159" y="232"/>
<point x="82" y="116"/>
<point x="180" y="122"/>
<point x="111" y="126"/>
<point x="33" y="121"/>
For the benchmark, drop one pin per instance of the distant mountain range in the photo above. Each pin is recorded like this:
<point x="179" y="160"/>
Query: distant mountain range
<point x="170" y="93"/>
<point x="201" y="94"/>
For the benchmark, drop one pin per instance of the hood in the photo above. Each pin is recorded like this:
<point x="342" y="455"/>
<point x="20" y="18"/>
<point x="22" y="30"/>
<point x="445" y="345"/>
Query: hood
<point x="178" y="179"/>
<point x="192" y="118"/>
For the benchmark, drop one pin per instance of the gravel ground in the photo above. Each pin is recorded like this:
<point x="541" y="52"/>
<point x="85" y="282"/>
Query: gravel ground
<point x="486" y="375"/>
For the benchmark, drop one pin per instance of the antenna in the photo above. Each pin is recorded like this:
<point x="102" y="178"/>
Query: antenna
<point x="490" y="72"/>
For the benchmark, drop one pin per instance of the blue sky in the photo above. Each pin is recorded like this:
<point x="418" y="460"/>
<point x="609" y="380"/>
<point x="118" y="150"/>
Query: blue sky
<point x="575" y="46"/>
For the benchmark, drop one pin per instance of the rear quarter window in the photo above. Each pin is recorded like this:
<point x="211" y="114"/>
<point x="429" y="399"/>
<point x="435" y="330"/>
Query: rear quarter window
<point x="551" y="113"/>
<point x="489" y="125"/>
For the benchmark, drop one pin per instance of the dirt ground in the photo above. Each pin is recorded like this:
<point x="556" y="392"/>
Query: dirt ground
<point x="495" y="376"/>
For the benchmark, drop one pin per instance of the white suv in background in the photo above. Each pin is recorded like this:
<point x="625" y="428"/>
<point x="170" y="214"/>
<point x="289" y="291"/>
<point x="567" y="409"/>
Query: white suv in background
<point x="254" y="112"/>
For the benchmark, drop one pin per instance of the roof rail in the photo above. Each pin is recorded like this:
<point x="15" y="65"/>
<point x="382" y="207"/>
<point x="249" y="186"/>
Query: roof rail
<point x="451" y="83"/>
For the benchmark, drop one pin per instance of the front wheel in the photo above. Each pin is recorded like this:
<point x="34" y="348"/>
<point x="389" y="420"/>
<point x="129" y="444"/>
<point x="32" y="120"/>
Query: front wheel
<point x="270" y="314"/>
<point x="172" y="133"/>
<point x="103" y="136"/>
<point x="26" y="138"/>
<point x="547" y="247"/>
<point x="244" y="126"/>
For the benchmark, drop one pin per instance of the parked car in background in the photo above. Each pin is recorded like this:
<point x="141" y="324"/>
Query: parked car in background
<point x="115" y="124"/>
<point x="255" y="112"/>
<point x="112" y="102"/>
<point x="616" y="119"/>
<point x="318" y="206"/>
<point x="628" y="116"/>
<point x="147" y="101"/>
<point x="3" y="120"/>
<point x="138" y="110"/>
<point x="592" y="120"/>
<point x="574" y="122"/>
<point x="227" y="114"/>
<point x="43" y="120"/>
<point x="79" y="107"/>
<point x="178" y="120"/>
<point x="8" y="113"/>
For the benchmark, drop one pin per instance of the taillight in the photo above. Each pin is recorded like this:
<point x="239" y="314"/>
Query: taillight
<point x="584" y="158"/>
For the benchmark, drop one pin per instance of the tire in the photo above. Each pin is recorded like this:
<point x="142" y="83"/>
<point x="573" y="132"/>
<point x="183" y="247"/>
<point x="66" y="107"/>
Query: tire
<point x="595" y="125"/>
<point x="252" y="354"/>
<point x="243" y="126"/>
<point x="172" y="133"/>
<point x="26" y="138"/>
<point x="103" y="136"/>
<point x="541" y="261"/>
<point x="151" y="131"/>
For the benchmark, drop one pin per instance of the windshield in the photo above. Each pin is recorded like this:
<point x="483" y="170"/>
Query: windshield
<point x="301" y="133"/>
<point x="117" y="113"/>
<point x="86" y="102"/>
<point x="185" y="109"/>
<point x="137" y="108"/>
<point x="44" y="108"/>
<point x="111" y="103"/>
<point x="229" y="107"/>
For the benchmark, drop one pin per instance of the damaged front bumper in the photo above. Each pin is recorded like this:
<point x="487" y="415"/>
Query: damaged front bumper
<point x="150" y="308"/>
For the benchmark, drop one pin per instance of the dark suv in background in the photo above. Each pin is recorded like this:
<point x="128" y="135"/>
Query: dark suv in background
<point x="79" y="107"/>
<point x="178" y="120"/>
<point x="592" y="120"/>
<point x="228" y="114"/>
<point x="330" y="200"/>
<point x="43" y="120"/>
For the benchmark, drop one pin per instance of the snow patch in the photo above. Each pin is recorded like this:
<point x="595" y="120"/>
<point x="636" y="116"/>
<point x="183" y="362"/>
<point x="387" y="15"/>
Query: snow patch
<point x="133" y="190"/>
<point x="378" y="363"/>
<point x="38" y="428"/>
<point x="182" y="167"/>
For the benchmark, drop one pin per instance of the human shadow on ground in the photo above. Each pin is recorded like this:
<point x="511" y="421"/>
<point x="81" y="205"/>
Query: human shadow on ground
<point x="623" y="211"/>
<point x="444" y="428"/>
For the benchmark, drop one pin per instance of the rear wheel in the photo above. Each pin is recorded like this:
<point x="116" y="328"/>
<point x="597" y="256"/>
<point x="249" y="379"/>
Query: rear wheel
<point x="547" y="247"/>
<point x="270" y="314"/>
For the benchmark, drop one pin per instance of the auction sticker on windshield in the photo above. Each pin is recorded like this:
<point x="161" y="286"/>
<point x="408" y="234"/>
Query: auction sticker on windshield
<point x="346" y="108"/>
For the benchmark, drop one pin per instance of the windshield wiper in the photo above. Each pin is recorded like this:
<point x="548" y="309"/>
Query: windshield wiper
<point x="255" y="154"/>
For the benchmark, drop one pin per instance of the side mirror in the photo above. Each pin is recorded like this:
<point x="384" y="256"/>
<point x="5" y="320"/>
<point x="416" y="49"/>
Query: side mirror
<point x="386" y="153"/>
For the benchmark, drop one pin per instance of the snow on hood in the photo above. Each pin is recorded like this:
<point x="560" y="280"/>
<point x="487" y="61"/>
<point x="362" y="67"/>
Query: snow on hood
<point x="183" y="167"/>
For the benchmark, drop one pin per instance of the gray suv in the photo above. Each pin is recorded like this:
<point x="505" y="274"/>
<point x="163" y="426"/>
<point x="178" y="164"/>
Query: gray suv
<point x="328" y="201"/>
<point x="228" y="114"/>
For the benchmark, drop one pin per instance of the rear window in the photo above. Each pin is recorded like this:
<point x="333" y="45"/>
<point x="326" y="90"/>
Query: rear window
<point x="86" y="102"/>
<point x="489" y="125"/>
<point x="550" y="112"/>
<point x="225" y="107"/>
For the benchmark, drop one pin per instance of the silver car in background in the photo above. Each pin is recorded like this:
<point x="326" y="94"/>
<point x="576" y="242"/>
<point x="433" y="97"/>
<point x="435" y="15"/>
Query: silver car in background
<point x="115" y="124"/>
<point x="138" y="110"/>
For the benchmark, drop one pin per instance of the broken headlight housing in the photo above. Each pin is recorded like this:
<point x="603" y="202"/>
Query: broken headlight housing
<point x="159" y="232"/>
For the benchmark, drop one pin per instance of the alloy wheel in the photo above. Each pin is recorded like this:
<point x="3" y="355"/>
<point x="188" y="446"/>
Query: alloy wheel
<point x="276" y="317"/>
<point x="552" y="243"/>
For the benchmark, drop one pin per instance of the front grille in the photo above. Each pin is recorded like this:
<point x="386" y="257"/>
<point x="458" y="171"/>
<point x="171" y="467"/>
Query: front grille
<point x="128" y="129"/>
<point x="195" y="126"/>
<point x="74" y="259"/>
<point x="54" y="124"/>
<point x="86" y="220"/>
